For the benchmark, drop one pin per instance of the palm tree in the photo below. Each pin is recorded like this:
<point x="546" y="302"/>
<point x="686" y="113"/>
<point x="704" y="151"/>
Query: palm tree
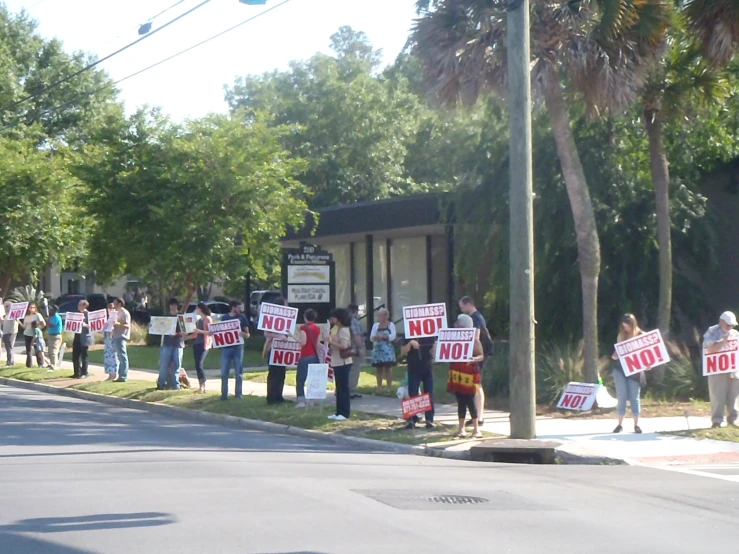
<point x="679" y="82"/>
<point x="716" y="25"/>
<point x="599" y="47"/>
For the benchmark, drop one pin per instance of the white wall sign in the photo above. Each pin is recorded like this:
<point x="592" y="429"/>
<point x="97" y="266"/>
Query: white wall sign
<point x="308" y="294"/>
<point x="301" y="274"/>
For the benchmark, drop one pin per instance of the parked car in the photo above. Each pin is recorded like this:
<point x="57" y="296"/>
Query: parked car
<point x="258" y="297"/>
<point x="217" y="309"/>
<point x="70" y="302"/>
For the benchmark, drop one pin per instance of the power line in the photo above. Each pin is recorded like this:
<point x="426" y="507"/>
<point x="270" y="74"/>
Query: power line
<point x="152" y="66"/>
<point x="98" y="62"/>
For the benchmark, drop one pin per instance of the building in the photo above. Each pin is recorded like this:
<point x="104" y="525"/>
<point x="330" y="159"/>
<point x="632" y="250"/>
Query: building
<point x="388" y="254"/>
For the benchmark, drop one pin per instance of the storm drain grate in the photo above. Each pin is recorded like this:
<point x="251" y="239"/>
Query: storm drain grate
<point x="456" y="499"/>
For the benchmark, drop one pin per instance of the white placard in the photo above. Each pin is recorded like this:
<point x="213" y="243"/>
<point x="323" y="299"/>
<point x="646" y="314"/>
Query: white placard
<point x="284" y="353"/>
<point x="579" y="396"/>
<point x="163" y="325"/>
<point x="17" y="311"/>
<point x="725" y="360"/>
<point x="302" y="274"/>
<point x="308" y="294"/>
<point x="73" y="322"/>
<point x="317" y="382"/>
<point x="97" y="320"/>
<point x="277" y="319"/>
<point x="227" y="333"/>
<point x="424" y="321"/>
<point x="642" y="352"/>
<point x="110" y="324"/>
<point x="188" y="322"/>
<point x="455" y="345"/>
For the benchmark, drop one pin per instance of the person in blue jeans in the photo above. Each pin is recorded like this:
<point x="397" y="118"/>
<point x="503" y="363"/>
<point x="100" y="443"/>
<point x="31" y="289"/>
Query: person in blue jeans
<point x="627" y="388"/>
<point x="170" y="354"/>
<point x="234" y="355"/>
<point x="121" y="336"/>
<point x="420" y="372"/>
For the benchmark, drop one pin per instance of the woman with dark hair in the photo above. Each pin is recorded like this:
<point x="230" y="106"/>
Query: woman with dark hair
<point x="28" y="334"/>
<point x="309" y="337"/>
<point x="275" y="373"/>
<point x="203" y="341"/>
<point x="340" y="340"/>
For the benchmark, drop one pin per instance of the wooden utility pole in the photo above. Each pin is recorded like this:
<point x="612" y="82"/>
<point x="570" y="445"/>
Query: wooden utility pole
<point x="522" y="335"/>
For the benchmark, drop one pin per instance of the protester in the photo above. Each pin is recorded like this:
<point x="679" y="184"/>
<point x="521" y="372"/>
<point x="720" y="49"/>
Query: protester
<point x="383" y="352"/>
<point x="54" y="330"/>
<point x="10" y="332"/>
<point x="39" y="346"/>
<point x="110" y="360"/>
<point x="464" y="380"/>
<point x="31" y="316"/>
<point x="171" y="352"/>
<point x="3" y="314"/>
<point x="121" y="336"/>
<point x="419" y="355"/>
<point x="722" y="389"/>
<point x="234" y="354"/>
<point x="340" y="343"/>
<point x="81" y="344"/>
<point x="275" y="373"/>
<point x="627" y="388"/>
<point x="203" y="342"/>
<point x="309" y="337"/>
<point x="467" y="306"/>
<point x="359" y="347"/>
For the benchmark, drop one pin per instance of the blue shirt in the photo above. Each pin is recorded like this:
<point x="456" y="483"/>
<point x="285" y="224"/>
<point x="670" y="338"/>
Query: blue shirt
<point x="54" y="325"/>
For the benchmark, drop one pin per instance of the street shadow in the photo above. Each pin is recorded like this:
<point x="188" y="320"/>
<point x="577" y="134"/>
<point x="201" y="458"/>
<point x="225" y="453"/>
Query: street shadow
<point x="97" y="522"/>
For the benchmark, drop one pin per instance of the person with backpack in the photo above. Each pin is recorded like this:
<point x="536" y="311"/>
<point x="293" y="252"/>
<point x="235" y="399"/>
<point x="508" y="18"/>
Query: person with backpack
<point x="467" y="307"/>
<point x="309" y="337"/>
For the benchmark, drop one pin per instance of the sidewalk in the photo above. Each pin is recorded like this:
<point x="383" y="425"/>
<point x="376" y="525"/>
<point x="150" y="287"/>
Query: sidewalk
<point x="580" y="437"/>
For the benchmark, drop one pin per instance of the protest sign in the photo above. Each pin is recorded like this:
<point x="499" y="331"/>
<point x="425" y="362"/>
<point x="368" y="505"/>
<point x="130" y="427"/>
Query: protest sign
<point x="110" y="323"/>
<point x="97" y="320"/>
<point x="226" y="333"/>
<point x="424" y="321"/>
<point x="316" y="382"/>
<point x="416" y="405"/>
<point x="277" y="319"/>
<point x="284" y="353"/>
<point x="17" y="311"/>
<point x="163" y="325"/>
<point x="723" y="361"/>
<point x="188" y="322"/>
<point x="643" y="352"/>
<point x="579" y="396"/>
<point x="73" y="322"/>
<point x="455" y="345"/>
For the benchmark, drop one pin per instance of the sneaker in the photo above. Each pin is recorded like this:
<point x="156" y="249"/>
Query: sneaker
<point x="430" y="426"/>
<point x="119" y="380"/>
<point x="49" y="371"/>
<point x="85" y="376"/>
<point x="637" y="429"/>
<point x="716" y="426"/>
<point x="340" y="418"/>
<point x="332" y="416"/>
<point x="618" y="429"/>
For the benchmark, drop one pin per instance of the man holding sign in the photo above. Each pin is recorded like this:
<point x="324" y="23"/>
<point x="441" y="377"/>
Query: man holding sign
<point x="278" y="322"/>
<point x="232" y="351"/>
<point x="83" y="340"/>
<point x="720" y="344"/>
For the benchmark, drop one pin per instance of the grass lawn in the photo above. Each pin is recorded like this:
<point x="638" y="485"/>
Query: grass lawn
<point x="254" y="407"/>
<point x="730" y="433"/>
<point x="22" y="373"/>
<point x="147" y="357"/>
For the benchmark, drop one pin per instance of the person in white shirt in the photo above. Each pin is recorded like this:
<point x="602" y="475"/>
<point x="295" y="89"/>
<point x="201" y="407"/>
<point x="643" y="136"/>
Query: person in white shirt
<point x="28" y="333"/>
<point x="722" y="389"/>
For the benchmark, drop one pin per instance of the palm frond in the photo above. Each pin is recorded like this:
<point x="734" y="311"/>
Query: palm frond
<point x="716" y="24"/>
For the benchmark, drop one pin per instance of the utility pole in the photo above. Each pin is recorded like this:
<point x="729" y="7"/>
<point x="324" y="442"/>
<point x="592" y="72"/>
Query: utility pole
<point x="522" y="335"/>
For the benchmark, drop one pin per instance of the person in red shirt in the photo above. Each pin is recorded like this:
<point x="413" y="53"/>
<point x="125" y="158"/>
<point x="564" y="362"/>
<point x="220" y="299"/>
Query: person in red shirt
<point x="309" y="337"/>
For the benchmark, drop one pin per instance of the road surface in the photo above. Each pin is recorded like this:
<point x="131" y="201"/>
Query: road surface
<point x="85" y="478"/>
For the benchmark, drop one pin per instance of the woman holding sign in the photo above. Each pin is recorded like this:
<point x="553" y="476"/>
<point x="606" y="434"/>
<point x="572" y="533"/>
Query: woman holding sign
<point x="309" y="337"/>
<point x="627" y="388"/>
<point x="203" y="341"/>
<point x="464" y="380"/>
<point x="27" y="326"/>
<point x="383" y="352"/>
<point x="340" y="342"/>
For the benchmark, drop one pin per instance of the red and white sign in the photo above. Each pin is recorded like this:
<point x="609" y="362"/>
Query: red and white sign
<point x="579" y="396"/>
<point x="17" y="311"/>
<point x="455" y="345"/>
<point x="642" y="353"/>
<point x="424" y="321"/>
<point x="284" y="353"/>
<point x="277" y="319"/>
<point x="723" y="361"/>
<point x="416" y="405"/>
<point x="226" y="333"/>
<point x="73" y="322"/>
<point x="97" y="320"/>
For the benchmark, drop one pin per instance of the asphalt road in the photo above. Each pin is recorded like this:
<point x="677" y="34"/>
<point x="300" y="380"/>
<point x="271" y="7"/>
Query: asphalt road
<point x="81" y="478"/>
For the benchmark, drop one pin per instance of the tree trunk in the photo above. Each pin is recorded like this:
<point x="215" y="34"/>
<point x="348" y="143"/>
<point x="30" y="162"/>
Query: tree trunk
<point x="588" y="245"/>
<point x="5" y="285"/>
<point x="661" y="179"/>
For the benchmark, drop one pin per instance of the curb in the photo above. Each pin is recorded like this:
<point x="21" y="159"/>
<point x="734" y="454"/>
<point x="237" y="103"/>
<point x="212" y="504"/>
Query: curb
<point x="237" y="422"/>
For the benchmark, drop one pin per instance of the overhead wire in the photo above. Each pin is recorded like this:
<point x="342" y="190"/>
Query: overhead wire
<point x="98" y="62"/>
<point x="152" y="66"/>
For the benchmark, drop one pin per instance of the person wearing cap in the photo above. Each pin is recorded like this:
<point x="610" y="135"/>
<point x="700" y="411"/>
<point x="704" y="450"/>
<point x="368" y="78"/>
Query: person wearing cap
<point x="722" y="389"/>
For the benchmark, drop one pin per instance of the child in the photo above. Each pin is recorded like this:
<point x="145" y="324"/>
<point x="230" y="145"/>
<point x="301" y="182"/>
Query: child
<point x="39" y="346"/>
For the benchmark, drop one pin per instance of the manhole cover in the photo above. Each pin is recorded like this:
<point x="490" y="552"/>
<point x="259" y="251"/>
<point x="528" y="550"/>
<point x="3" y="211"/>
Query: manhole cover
<point x="456" y="499"/>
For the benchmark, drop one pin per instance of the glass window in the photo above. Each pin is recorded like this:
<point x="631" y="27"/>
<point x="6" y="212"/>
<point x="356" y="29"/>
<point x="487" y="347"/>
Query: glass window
<point x="360" y="280"/>
<point x="379" y="272"/>
<point x="408" y="268"/>
<point x="341" y="254"/>
<point x="440" y="265"/>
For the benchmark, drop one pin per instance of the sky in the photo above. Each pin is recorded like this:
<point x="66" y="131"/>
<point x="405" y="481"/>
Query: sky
<point x="192" y="85"/>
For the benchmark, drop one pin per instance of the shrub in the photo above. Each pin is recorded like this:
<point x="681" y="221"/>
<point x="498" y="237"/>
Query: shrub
<point x="495" y="374"/>
<point x="556" y="365"/>
<point x="139" y="333"/>
<point x="684" y="375"/>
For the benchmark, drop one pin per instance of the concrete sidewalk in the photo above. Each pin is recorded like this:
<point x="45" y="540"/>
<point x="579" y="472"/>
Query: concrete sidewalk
<point x="580" y="437"/>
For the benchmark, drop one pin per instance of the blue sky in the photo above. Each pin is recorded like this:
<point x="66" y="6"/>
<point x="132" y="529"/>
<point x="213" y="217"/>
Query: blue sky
<point x="192" y="85"/>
